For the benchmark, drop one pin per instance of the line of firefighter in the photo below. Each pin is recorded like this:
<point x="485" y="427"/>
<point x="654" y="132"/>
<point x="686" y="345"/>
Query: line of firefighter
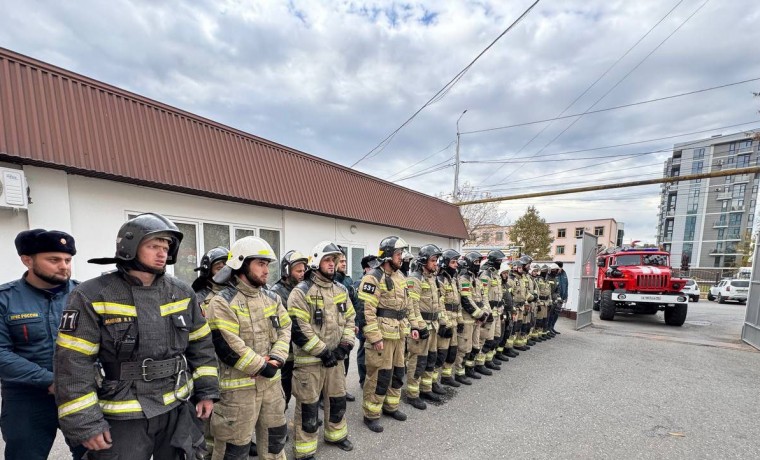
<point x="409" y="324"/>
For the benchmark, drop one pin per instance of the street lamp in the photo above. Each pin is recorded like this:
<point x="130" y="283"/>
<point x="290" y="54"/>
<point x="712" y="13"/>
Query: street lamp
<point x="456" y="163"/>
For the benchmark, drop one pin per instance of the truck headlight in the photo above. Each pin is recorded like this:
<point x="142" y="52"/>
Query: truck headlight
<point x="621" y="297"/>
<point x="681" y="299"/>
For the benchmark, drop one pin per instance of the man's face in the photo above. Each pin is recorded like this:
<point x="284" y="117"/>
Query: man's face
<point x="453" y="264"/>
<point x="397" y="258"/>
<point x="153" y="253"/>
<point x="431" y="264"/>
<point x="298" y="271"/>
<point x="216" y="267"/>
<point x="258" y="272"/>
<point x="51" y="267"/>
<point x="341" y="266"/>
<point x="327" y="265"/>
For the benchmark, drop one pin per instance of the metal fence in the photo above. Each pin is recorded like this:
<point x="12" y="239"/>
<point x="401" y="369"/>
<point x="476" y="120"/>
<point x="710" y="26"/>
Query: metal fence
<point x="751" y="329"/>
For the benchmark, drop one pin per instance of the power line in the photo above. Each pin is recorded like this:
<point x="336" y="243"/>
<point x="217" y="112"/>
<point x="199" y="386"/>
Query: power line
<point x="435" y="168"/>
<point x="390" y="179"/>
<point x="620" y="81"/>
<point x="443" y="91"/>
<point x="633" y="104"/>
<point x="590" y="86"/>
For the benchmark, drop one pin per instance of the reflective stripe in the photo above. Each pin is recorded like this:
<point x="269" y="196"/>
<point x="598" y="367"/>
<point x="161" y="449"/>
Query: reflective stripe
<point x="234" y="384"/>
<point x="228" y="326"/>
<point x="111" y="308"/>
<point x="306" y="447"/>
<point x="350" y="311"/>
<point x="425" y="285"/>
<point x="242" y="310"/>
<point x="300" y="314"/>
<point x="371" y="327"/>
<point x="414" y="295"/>
<point x="120" y="407"/>
<point x="307" y="360"/>
<point x="393" y="400"/>
<point x="174" y="307"/>
<point x="280" y="345"/>
<point x="315" y="301"/>
<point x="369" y="298"/>
<point x="372" y="408"/>
<point x="245" y="360"/>
<point x="183" y="392"/>
<point x="412" y="388"/>
<point x="205" y="371"/>
<point x="336" y="435"/>
<point x="76" y="344"/>
<point x="270" y="310"/>
<point x="339" y="298"/>
<point x="200" y="333"/>
<point x="311" y="344"/>
<point x="76" y="405"/>
<point x="285" y="320"/>
<point x="446" y="371"/>
<point x="427" y="382"/>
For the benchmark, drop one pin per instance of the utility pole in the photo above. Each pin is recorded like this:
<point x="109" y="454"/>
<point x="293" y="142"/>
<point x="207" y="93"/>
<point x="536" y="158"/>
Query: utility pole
<point x="456" y="163"/>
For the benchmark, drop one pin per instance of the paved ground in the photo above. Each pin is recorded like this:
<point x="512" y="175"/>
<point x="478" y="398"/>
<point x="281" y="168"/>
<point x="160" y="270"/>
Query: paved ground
<point x="631" y="388"/>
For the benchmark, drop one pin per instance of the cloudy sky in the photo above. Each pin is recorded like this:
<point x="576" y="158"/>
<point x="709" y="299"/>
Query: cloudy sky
<point x="335" y="78"/>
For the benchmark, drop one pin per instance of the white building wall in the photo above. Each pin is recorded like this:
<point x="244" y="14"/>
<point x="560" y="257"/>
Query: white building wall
<point x="92" y="210"/>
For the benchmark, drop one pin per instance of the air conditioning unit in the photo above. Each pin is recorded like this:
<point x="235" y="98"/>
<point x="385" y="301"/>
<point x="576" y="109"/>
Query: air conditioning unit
<point x="13" y="189"/>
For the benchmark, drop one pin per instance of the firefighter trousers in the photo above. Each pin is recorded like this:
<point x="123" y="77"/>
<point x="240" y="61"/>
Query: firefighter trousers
<point x="309" y="382"/>
<point x="467" y="341"/>
<point x="420" y="364"/>
<point x="446" y="356"/>
<point x="385" y="377"/>
<point x="239" y="412"/>
<point x="486" y="352"/>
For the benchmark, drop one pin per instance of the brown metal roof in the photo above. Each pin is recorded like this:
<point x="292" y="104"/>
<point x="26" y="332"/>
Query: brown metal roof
<point x="55" y="118"/>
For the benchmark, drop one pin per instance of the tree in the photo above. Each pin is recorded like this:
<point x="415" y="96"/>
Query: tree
<point x="477" y="215"/>
<point x="532" y="234"/>
<point x="744" y="250"/>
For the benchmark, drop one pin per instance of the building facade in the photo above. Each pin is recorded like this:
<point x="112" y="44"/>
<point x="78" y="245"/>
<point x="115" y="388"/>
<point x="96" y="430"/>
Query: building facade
<point x="82" y="156"/>
<point x="608" y="231"/>
<point x="709" y="222"/>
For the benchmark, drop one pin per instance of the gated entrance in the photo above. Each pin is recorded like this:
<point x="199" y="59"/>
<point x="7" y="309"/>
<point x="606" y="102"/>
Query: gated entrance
<point x="751" y="329"/>
<point x="585" y="262"/>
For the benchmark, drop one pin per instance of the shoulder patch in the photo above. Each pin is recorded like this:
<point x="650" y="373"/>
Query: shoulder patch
<point x="69" y="320"/>
<point x="369" y="288"/>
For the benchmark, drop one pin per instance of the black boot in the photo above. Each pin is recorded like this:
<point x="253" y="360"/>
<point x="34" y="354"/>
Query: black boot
<point x="481" y="369"/>
<point x="344" y="445"/>
<point x="531" y="343"/>
<point x="373" y="425"/>
<point x="493" y="366"/>
<point x="396" y="414"/>
<point x="417" y="403"/>
<point x="430" y="396"/>
<point x="511" y="353"/>
<point x="555" y="331"/>
<point x="463" y="380"/>
<point x="522" y="347"/>
<point x="452" y="382"/>
<point x="350" y="398"/>
<point x="496" y="360"/>
<point x="252" y="452"/>
<point x="470" y="372"/>
<point x="501" y="357"/>
<point x="438" y="389"/>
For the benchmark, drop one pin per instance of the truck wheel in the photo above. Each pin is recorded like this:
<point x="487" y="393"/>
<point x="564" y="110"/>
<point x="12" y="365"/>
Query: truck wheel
<point x="595" y="306"/>
<point x="606" y="306"/>
<point x="721" y="299"/>
<point x="710" y="297"/>
<point x="676" y="316"/>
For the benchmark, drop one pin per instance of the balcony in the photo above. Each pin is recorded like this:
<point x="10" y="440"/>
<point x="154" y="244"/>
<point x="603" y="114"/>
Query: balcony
<point x="738" y="208"/>
<point x="671" y="212"/>
<point x="720" y="224"/>
<point x="742" y="177"/>
<point x="667" y="238"/>
<point x="715" y="251"/>
<point x="744" y="150"/>
<point x="676" y="161"/>
<point x="723" y="196"/>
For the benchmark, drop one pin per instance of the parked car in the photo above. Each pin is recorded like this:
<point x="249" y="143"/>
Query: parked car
<point x="733" y="289"/>
<point x="692" y="290"/>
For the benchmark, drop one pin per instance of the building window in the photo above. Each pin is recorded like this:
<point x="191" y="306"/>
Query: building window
<point x="691" y="223"/>
<point x="575" y="249"/>
<point x="598" y="231"/>
<point x="356" y="263"/>
<point x="561" y="232"/>
<point x="499" y="236"/>
<point x="579" y="232"/>
<point x="696" y="167"/>
<point x="721" y="233"/>
<point x="735" y="219"/>
<point x="187" y="257"/>
<point x="742" y="161"/>
<point x="699" y="153"/>
<point x="273" y="238"/>
<point x="560" y="250"/>
<point x="486" y="237"/>
<point x="215" y="235"/>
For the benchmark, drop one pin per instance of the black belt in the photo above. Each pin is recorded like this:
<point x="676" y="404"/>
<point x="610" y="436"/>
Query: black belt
<point x="543" y="297"/>
<point x="493" y="303"/>
<point x="387" y="313"/>
<point x="429" y="316"/>
<point x="146" y="370"/>
<point x="452" y="307"/>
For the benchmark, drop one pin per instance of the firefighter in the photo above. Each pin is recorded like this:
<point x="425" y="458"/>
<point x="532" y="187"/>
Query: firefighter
<point x="292" y="272"/>
<point x="425" y="302"/>
<point x="545" y="303"/>
<point x="251" y="333"/>
<point x="342" y="277"/>
<point x="534" y="271"/>
<point x="506" y="342"/>
<point x="519" y="290"/>
<point x="148" y="335"/>
<point x="551" y="279"/>
<point x="472" y="315"/>
<point x="406" y="262"/>
<point x="204" y="286"/>
<point x="28" y="307"/>
<point x="447" y="339"/>
<point x="489" y="277"/>
<point x="383" y="291"/>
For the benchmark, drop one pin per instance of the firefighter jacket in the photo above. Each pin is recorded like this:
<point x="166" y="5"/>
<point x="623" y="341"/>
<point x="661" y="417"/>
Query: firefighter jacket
<point x="553" y="287"/>
<point x="248" y="324"/>
<point x="348" y="283"/>
<point x="425" y="301"/>
<point x="205" y="294"/>
<point x="489" y="276"/>
<point x="471" y="291"/>
<point x="29" y="319"/>
<point x="126" y="326"/>
<point x="544" y="290"/>
<point x="518" y="289"/>
<point x="530" y="288"/>
<point x="323" y="318"/>
<point x="385" y="305"/>
<point x="449" y="295"/>
<point x="283" y="288"/>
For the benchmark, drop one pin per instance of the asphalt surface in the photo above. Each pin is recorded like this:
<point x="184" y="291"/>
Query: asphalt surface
<point x="630" y="388"/>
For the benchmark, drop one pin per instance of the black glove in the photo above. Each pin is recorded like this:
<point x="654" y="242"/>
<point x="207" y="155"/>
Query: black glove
<point x="443" y="330"/>
<point x="328" y="358"/>
<point x="538" y="309"/>
<point x="268" y="371"/>
<point x="460" y="328"/>
<point x="342" y="351"/>
<point x="449" y="333"/>
<point x="489" y="319"/>
<point x="424" y="334"/>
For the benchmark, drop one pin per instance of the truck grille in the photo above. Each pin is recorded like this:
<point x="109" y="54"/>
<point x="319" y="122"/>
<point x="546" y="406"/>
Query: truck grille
<point x="652" y="281"/>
